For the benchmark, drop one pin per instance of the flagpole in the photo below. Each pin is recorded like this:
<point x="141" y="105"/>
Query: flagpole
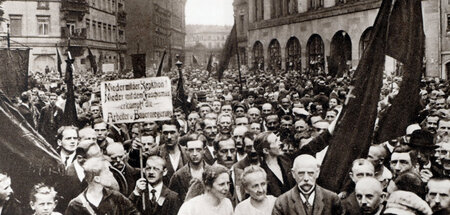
<point x="238" y="59"/>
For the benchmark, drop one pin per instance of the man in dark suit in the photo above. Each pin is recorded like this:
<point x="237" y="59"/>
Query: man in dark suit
<point x="49" y="120"/>
<point x="25" y="109"/>
<point x="117" y="156"/>
<point x="307" y="198"/>
<point x="157" y="197"/>
<point x="361" y="168"/>
<point x="170" y="149"/>
<point x="210" y="132"/>
<point x="180" y="181"/>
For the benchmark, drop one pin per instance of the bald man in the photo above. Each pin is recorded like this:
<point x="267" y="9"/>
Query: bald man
<point x="307" y="198"/>
<point x="370" y="196"/>
<point x="361" y="168"/>
<point x="117" y="156"/>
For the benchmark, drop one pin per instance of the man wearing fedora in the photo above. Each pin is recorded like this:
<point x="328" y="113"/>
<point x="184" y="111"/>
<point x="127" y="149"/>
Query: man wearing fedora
<point x="423" y="143"/>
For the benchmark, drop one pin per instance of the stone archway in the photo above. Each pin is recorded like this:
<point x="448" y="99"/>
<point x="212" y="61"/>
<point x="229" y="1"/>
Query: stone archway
<point x="293" y="55"/>
<point x="340" y="54"/>
<point x="315" y="50"/>
<point x="274" y="55"/>
<point x="258" y="55"/>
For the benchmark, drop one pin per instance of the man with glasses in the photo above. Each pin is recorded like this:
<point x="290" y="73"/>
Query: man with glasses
<point x="117" y="156"/>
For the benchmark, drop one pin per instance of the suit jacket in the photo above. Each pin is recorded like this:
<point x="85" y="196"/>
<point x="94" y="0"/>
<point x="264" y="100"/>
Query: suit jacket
<point x="238" y="194"/>
<point x="131" y="175"/>
<point x="350" y="206"/>
<point x="242" y="163"/>
<point x="290" y="203"/>
<point x="167" y="203"/>
<point x="180" y="181"/>
<point x="165" y="155"/>
<point x="26" y="113"/>
<point x="69" y="187"/>
<point x="209" y="159"/>
<point x="274" y="185"/>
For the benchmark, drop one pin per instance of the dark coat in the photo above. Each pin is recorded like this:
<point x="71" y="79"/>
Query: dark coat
<point x="131" y="175"/>
<point x="350" y="206"/>
<point x="274" y="185"/>
<point x="165" y="155"/>
<point x="209" y="159"/>
<point x="69" y="187"/>
<point x="26" y="113"/>
<point x="168" y="203"/>
<point x="290" y="203"/>
<point x="11" y="207"/>
<point x="49" y="122"/>
<point x="180" y="181"/>
<point x="242" y="163"/>
<point x="113" y="203"/>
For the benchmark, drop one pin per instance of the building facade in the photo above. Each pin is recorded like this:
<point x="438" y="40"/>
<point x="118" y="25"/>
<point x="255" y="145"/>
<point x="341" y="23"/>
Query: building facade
<point x="155" y="26"/>
<point x="328" y="34"/>
<point x="204" y="40"/>
<point x="46" y="25"/>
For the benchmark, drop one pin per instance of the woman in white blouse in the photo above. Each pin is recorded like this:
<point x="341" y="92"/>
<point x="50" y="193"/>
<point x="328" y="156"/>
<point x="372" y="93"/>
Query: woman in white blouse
<point x="254" y="181"/>
<point x="213" y="201"/>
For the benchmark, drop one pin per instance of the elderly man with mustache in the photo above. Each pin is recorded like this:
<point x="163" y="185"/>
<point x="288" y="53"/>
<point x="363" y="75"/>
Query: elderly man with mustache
<point x="307" y="197"/>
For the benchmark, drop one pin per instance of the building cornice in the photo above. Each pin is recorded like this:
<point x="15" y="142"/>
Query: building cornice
<point x="317" y="14"/>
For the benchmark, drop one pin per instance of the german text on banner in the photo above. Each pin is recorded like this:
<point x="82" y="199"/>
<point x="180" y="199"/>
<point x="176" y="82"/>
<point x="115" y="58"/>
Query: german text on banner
<point x="137" y="100"/>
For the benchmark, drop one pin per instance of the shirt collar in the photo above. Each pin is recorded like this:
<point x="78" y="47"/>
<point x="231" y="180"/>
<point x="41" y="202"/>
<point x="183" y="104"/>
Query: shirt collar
<point x="158" y="189"/>
<point x="312" y="195"/>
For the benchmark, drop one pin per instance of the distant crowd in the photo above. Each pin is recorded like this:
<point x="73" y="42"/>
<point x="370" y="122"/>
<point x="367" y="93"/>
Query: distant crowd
<point x="249" y="146"/>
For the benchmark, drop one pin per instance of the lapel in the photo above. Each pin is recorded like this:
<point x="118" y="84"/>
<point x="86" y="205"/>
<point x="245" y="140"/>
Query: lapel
<point x="318" y="201"/>
<point x="297" y="201"/>
<point x="237" y="187"/>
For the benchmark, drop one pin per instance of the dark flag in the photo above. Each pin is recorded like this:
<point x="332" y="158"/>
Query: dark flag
<point x="24" y="154"/>
<point x="169" y="63"/>
<point x="138" y="62"/>
<point x="406" y="44"/>
<point x="91" y="58"/>
<point x="69" y="116"/>
<point x="194" y="60"/>
<point x="181" y="99"/>
<point x="158" y="74"/>
<point x="58" y="62"/>
<point x="228" y="50"/>
<point x="209" y="65"/>
<point x="353" y="134"/>
<point x="14" y="71"/>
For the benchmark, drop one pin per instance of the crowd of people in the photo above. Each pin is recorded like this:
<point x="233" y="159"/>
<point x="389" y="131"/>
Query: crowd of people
<point x="239" y="146"/>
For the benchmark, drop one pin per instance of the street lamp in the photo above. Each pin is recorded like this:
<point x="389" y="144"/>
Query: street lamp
<point x="179" y="64"/>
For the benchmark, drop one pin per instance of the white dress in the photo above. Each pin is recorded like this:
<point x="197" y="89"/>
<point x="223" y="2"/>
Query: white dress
<point x="246" y="207"/>
<point x="197" y="206"/>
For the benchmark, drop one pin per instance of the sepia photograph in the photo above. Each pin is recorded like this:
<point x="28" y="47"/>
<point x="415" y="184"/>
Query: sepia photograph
<point x="224" y="107"/>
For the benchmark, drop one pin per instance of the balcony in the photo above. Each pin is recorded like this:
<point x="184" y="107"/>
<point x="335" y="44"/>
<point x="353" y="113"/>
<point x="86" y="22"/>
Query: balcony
<point x="122" y="18"/>
<point x="78" y="34"/>
<point x="81" y="6"/>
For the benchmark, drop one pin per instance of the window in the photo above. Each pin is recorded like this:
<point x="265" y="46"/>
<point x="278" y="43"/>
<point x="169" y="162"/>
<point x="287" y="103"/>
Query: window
<point x="242" y="20"/>
<point x="88" y="28"/>
<point x="15" y="25"/>
<point x="43" y="25"/>
<point x="315" y="4"/>
<point x="71" y="28"/>
<point x="448" y="23"/>
<point x="42" y="5"/>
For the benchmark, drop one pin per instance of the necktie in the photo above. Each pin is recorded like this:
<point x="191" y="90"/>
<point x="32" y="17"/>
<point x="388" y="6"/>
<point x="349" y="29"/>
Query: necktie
<point x="309" y="207"/>
<point x="67" y="161"/>
<point x="231" y="184"/>
<point x="153" y="200"/>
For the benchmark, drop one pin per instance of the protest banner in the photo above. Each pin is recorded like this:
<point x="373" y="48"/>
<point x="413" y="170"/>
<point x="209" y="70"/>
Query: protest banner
<point x="137" y="100"/>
